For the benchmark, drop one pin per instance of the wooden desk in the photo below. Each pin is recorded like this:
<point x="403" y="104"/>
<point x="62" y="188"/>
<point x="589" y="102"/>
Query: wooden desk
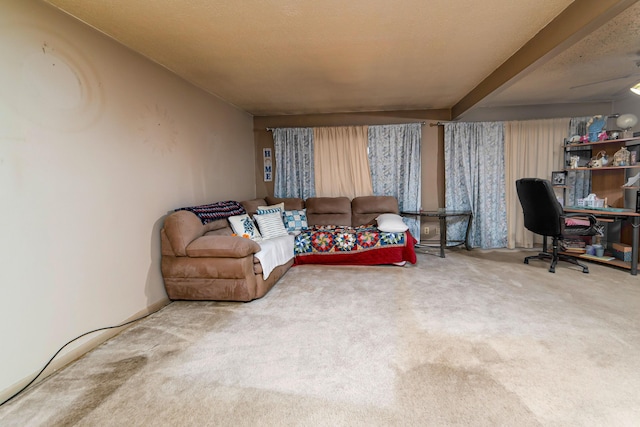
<point x="618" y="215"/>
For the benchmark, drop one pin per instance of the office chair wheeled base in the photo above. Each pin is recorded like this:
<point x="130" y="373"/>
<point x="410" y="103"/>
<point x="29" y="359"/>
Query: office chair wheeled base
<point x="554" y="260"/>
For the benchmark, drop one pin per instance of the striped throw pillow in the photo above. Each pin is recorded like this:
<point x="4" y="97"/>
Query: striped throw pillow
<point x="271" y="225"/>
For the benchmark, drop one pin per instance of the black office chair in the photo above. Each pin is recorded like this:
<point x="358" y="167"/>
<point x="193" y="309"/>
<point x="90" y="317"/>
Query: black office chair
<point x="543" y="215"/>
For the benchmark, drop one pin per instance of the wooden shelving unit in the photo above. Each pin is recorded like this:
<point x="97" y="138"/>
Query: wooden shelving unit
<point x="614" y="262"/>
<point x="637" y="165"/>
<point x="627" y="141"/>
<point x="607" y="182"/>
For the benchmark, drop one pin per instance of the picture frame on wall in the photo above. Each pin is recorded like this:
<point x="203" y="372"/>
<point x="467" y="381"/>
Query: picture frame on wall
<point x="268" y="164"/>
<point x="559" y="178"/>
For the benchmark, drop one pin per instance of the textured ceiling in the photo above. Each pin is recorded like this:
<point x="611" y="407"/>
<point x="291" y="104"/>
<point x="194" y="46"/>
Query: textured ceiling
<point x="273" y="57"/>
<point x="599" y="67"/>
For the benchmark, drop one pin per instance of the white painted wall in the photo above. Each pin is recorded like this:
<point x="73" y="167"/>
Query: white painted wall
<point x="97" y="144"/>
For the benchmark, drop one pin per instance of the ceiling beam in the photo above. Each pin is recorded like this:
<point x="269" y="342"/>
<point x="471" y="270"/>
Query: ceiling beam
<point x="575" y="22"/>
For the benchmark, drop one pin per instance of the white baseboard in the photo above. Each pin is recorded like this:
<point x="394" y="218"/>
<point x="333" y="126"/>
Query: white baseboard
<point x="80" y="350"/>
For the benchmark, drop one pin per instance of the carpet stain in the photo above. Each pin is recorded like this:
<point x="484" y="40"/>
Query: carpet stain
<point x="443" y="381"/>
<point x="442" y="394"/>
<point x="98" y="388"/>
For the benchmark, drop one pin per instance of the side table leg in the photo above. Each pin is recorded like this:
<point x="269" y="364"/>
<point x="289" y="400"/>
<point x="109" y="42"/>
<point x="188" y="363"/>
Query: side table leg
<point x="443" y="235"/>
<point x="635" y="223"/>
<point x="466" y="234"/>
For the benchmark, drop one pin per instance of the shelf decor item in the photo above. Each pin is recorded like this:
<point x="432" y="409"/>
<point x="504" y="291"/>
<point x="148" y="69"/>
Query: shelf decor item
<point x="622" y="251"/>
<point x="631" y="182"/>
<point x="613" y="134"/>
<point x="603" y="158"/>
<point x="575" y="160"/>
<point x="595" y="127"/>
<point x="626" y="122"/>
<point x="621" y="157"/>
<point x="599" y="160"/>
<point x="591" y="201"/>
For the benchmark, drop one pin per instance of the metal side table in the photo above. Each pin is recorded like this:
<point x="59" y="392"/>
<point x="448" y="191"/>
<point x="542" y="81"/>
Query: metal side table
<point x="443" y="215"/>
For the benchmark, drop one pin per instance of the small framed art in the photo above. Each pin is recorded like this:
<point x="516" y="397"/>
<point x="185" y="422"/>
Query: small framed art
<point x="558" y="178"/>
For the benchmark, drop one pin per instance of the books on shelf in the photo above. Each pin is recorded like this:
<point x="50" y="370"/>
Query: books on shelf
<point x="597" y="258"/>
<point x="575" y="250"/>
<point x="574" y="246"/>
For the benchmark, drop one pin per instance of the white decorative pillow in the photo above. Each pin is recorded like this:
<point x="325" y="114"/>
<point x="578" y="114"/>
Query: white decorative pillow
<point x="296" y="220"/>
<point x="271" y="225"/>
<point x="243" y="225"/>
<point x="391" y="223"/>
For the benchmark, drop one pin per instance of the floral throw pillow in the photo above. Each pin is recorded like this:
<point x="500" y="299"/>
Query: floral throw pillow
<point x="244" y="226"/>
<point x="296" y="220"/>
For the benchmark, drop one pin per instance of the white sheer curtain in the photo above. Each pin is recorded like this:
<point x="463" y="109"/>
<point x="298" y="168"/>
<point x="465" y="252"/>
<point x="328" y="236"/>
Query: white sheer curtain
<point x="475" y="181"/>
<point x="533" y="149"/>
<point x="394" y="156"/>
<point x="293" y="152"/>
<point x="341" y="162"/>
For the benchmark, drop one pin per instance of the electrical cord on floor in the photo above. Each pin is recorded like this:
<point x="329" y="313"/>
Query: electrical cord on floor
<point x="75" y="339"/>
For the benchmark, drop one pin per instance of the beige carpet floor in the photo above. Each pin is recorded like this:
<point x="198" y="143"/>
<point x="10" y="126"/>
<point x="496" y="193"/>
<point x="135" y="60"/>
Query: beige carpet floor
<point x="475" y="339"/>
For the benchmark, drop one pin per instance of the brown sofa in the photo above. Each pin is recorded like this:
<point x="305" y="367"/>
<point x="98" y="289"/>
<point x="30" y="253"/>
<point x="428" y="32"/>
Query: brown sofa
<point x="206" y="262"/>
<point x="342" y="211"/>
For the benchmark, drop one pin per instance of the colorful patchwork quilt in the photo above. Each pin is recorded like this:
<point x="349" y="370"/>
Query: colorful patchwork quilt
<point x="363" y="245"/>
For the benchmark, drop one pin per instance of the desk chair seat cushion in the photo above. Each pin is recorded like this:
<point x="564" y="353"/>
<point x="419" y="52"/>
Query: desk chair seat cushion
<point x="577" y="224"/>
<point x="568" y="222"/>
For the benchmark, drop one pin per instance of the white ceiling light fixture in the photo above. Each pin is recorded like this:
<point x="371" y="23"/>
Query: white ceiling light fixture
<point x="636" y="88"/>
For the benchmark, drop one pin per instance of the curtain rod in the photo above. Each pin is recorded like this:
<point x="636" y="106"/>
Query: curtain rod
<point x="327" y="126"/>
<point x="438" y="124"/>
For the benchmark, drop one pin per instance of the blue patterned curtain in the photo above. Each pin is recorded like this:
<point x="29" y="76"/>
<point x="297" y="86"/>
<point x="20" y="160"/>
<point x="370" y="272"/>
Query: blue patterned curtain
<point x="475" y="181"/>
<point x="394" y="159"/>
<point x="294" y="174"/>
